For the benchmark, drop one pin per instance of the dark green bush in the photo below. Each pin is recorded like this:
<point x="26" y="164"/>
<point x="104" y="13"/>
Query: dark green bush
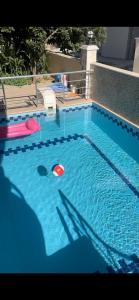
<point x="16" y="82"/>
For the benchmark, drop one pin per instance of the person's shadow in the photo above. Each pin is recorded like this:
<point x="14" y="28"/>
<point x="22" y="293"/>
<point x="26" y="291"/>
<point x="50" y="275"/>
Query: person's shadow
<point x="22" y="245"/>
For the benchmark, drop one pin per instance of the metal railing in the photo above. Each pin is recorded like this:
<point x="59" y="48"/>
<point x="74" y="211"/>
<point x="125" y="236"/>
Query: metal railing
<point x="78" y="85"/>
<point x="3" y="97"/>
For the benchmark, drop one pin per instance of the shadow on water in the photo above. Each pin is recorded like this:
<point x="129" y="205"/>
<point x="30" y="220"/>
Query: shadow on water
<point x="57" y="117"/>
<point x="22" y="246"/>
<point x="42" y="171"/>
<point x="82" y="228"/>
<point x="18" y="138"/>
<point x="79" y="255"/>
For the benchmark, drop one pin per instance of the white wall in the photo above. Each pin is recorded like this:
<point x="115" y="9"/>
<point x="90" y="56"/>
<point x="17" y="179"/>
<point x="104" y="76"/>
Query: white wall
<point x="136" y="58"/>
<point x="116" y="43"/>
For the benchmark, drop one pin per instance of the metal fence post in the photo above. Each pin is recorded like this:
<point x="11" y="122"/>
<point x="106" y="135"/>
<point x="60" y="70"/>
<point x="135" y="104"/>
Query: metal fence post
<point x="35" y="80"/>
<point x="82" y="82"/>
<point x="4" y="95"/>
<point x="88" y="57"/>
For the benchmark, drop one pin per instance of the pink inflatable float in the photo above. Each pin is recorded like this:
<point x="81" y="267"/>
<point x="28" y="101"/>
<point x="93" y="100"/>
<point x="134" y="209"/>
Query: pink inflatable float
<point x="21" y="129"/>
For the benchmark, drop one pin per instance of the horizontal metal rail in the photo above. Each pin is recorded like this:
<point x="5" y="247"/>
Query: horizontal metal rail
<point x="82" y="87"/>
<point x="76" y="80"/>
<point x="76" y="88"/>
<point x="4" y="96"/>
<point x="84" y="75"/>
<point x="46" y="74"/>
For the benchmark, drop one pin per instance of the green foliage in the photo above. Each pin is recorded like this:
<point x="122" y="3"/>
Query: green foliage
<point x="16" y="82"/>
<point x="71" y="38"/>
<point x="100" y="35"/>
<point x="11" y="65"/>
<point x="22" y="50"/>
<point x="35" y="47"/>
<point x="42" y="63"/>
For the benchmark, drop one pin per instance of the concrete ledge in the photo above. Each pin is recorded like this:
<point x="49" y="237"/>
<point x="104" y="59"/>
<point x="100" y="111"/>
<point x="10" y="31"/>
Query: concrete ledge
<point x="63" y="55"/>
<point x="117" y="90"/>
<point x="118" y="70"/>
<point x="90" y="47"/>
<point x="117" y="115"/>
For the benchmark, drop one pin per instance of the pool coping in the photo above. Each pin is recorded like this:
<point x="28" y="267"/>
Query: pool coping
<point x="7" y="117"/>
<point x="116" y="114"/>
<point x="102" y="106"/>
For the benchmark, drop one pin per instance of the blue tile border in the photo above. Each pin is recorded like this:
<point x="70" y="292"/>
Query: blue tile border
<point x="63" y="139"/>
<point x="21" y="117"/>
<point x="133" y="267"/>
<point x="115" y="169"/>
<point x="40" y="144"/>
<point x="124" y="268"/>
<point x="107" y="115"/>
<point x="120" y="123"/>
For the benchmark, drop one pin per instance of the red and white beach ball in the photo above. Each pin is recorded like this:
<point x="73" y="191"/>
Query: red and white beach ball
<point x="58" y="170"/>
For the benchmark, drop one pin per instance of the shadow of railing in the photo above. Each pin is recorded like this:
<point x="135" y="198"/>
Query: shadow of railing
<point x="79" y="255"/>
<point x="81" y="227"/>
<point x="22" y="245"/>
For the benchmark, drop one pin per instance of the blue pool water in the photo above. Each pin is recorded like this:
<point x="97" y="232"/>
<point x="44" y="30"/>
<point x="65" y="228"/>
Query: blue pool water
<point x="84" y="221"/>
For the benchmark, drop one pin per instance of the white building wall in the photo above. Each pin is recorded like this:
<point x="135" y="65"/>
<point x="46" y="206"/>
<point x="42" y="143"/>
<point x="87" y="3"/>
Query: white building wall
<point x="136" y="58"/>
<point x="116" y="42"/>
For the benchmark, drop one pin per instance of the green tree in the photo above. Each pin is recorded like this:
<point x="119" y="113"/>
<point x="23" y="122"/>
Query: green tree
<point x="35" y="47"/>
<point x="71" y="38"/>
<point x="99" y="35"/>
<point x="22" y="49"/>
<point x="6" y="47"/>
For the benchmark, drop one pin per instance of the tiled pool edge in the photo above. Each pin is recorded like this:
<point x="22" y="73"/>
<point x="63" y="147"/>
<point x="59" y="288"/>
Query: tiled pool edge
<point x="23" y="116"/>
<point x="109" y="115"/>
<point x="63" y="139"/>
<point x="124" y="124"/>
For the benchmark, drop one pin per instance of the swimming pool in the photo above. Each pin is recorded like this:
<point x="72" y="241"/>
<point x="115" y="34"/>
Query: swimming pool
<point x="84" y="221"/>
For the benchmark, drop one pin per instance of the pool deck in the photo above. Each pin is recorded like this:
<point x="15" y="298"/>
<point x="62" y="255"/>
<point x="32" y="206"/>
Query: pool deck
<point x="26" y="105"/>
<point x="20" y="100"/>
<point x="73" y="102"/>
